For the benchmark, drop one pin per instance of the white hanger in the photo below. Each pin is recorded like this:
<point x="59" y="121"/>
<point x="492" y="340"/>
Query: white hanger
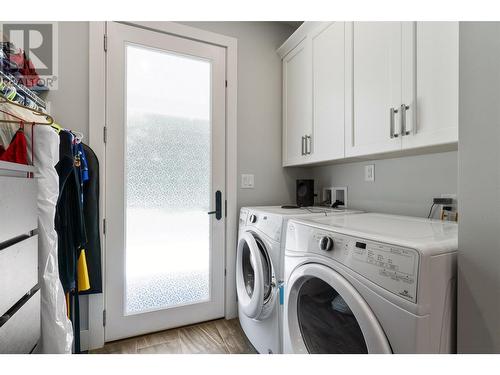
<point x="78" y="136"/>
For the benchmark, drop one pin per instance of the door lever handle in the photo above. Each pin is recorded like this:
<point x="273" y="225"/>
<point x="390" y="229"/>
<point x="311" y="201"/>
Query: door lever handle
<point x="218" y="206"/>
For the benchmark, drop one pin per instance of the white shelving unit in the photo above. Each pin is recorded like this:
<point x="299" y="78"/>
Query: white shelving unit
<point x="19" y="294"/>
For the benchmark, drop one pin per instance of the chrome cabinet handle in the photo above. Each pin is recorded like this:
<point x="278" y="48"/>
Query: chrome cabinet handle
<point x="303" y="152"/>
<point x="404" y="108"/>
<point x="308" y="145"/>
<point x="392" y="133"/>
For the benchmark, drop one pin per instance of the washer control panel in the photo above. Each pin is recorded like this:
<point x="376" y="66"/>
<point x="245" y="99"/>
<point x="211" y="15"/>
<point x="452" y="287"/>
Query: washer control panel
<point x="393" y="268"/>
<point x="269" y="224"/>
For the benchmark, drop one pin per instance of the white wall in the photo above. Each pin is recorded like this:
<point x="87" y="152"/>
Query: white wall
<point x="479" y="189"/>
<point x="69" y="104"/>
<point x="259" y="110"/>
<point x="403" y="186"/>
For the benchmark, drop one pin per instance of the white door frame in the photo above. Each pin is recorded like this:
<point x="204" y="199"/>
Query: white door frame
<point x="97" y="119"/>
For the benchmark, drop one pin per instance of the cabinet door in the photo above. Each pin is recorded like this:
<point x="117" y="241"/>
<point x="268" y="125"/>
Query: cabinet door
<point x="432" y="91"/>
<point x="373" y="52"/>
<point x="297" y="102"/>
<point x="328" y="92"/>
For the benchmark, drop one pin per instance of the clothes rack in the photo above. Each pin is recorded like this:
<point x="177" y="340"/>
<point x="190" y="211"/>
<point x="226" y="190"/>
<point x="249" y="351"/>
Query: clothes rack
<point x="10" y="79"/>
<point x="29" y="111"/>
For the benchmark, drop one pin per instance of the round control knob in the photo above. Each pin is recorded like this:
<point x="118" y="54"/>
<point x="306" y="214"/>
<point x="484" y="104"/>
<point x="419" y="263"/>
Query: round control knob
<point x="253" y="219"/>
<point x="326" y="243"/>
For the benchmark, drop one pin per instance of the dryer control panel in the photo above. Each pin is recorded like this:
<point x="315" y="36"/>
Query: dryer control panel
<point x="391" y="267"/>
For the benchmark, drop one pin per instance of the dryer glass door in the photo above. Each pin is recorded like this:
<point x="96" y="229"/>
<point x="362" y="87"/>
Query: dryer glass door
<point x="248" y="270"/>
<point x="325" y="314"/>
<point x="326" y="322"/>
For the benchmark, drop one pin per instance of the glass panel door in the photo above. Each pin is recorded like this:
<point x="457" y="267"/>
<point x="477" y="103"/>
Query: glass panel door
<point x="168" y="173"/>
<point x="165" y="160"/>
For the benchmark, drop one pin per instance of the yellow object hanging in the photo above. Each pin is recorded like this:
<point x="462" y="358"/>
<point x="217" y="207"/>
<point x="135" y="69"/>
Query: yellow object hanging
<point x="67" y="305"/>
<point x="83" y="272"/>
<point x="57" y="127"/>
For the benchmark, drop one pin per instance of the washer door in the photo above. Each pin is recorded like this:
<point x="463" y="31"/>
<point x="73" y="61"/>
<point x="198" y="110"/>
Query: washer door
<point x="253" y="275"/>
<point x="325" y="314"/>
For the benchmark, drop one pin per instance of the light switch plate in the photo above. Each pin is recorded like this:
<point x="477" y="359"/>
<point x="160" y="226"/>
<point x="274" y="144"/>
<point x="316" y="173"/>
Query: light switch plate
<point x="247" y="181"/>
<point x="370" y="173"/>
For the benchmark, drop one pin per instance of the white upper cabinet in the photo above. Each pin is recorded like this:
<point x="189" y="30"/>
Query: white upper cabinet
<point x="328" y="92"/>
<point x="313" y="94"/>
<point x="431" y="87"/>
<point x="365" y="88"/>
<point x="374" y="55"/>
<point x="297" y="103"/>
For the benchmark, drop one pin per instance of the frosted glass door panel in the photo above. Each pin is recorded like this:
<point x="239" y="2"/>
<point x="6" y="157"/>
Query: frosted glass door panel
<point x="165" y="159"/>
<point x="168" y="180"/>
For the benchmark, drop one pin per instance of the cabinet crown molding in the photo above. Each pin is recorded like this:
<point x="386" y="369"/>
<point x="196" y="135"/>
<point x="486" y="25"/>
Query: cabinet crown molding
<point x="298" y="36"/>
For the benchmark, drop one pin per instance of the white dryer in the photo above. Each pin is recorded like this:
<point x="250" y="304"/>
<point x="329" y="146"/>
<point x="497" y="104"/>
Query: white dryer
<point x="370" y="283"/>
<point x="259" y="270"/>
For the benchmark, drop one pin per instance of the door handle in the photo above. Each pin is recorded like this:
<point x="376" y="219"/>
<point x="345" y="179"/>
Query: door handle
<point x="218" y="206"/>
<point x="392" y="112"/>
<point x="308" y="144"/>
<point x="404" y="108"/>
<point x="302" y="145"/>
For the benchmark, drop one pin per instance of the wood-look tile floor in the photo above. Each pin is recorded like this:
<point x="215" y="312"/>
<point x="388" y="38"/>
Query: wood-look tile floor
<point x="214" y="337"/>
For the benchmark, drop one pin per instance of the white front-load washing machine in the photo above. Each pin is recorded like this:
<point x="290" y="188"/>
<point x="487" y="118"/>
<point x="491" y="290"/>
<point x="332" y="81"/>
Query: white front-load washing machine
<point x="259" y="270"/>
<point x="370" y="283"/>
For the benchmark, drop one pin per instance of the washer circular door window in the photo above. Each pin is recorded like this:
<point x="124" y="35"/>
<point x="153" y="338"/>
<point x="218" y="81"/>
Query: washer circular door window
<point x="254" y="276"/>
<point x="325" y="314"/>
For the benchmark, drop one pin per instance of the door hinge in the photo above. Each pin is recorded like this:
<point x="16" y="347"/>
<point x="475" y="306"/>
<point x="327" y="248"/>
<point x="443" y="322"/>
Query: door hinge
<point x="105" y="134"/>
<point x="105" y="43"/>
<point x="104" y="226"/>
<point x="104" y="318"/>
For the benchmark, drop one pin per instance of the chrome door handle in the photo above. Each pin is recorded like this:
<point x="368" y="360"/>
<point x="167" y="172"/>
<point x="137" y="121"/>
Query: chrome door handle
<point x="392" y="112"/>
<point x="303" y="145"/>
<point x="404" y="108"/>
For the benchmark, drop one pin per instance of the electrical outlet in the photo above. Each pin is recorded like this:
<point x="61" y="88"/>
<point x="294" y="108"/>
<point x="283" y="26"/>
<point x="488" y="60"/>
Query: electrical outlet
<point x="370" y="173"/>
<point x="334" y="194"/>
<point x="247" y="181"/>
<point x="340" y="196"/>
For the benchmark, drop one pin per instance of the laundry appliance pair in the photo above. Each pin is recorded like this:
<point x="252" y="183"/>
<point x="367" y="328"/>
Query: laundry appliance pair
<point x="339" y="281"/>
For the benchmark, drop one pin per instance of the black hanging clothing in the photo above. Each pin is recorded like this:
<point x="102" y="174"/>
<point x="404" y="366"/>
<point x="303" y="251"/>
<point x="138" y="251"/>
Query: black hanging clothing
<point x="69" y="221"/>
<point x="91" y="217"/>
